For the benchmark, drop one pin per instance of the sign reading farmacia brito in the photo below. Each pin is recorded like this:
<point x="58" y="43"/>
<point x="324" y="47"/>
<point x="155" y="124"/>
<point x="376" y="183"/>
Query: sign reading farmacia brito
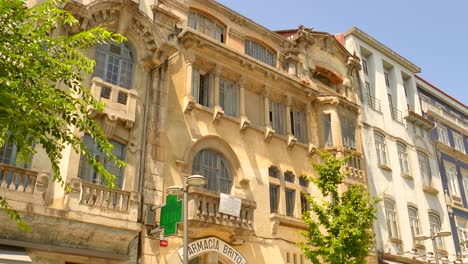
<point x="213" y="244"/>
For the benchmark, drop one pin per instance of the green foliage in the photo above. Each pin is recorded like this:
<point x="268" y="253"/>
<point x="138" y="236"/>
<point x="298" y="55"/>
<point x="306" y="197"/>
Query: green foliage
<point x="34" y="64"/>
<point x="339" y="231"/>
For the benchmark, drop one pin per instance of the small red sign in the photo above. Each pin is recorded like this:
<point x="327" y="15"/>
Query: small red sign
<point x="163" y="243"/>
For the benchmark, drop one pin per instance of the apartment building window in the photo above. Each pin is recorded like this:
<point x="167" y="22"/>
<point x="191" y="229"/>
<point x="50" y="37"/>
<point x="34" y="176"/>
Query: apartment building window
<point x="414" y="222"/>
<point x="458" y="140"/>
<point x="114" y="64"/>
<point x="201" y="87"/>
<point x="465" y="184"/>
<point x="442" y="134"/>
<point x="381" y="149"/>
<point x="403" y="158"/>
<point x="290" y="195"/>
<point x="228" y="97"/>
<point x="462" y="233"/>
<point x="260" y="52"/>
<point x="298" y="125"/>
<point x="373" y="102"/>
<point x="305" y="205"/>
<point x="86" y="171"/>
<point x="206" y="25"/>
<point x="425" y="169"/>
<point x="391" y="218"/>
<point x="452" y="180"/>
<point x="277" y="117"/>
<point x="435" y="225"/>
<point x="348" y="133"/>
<point x="387" y="79"/>
<point x="328" y="130"/>
<point x="273" y="172"/>
<point x="364" y="67"/>
<point x="303" y="182"/>
<point x="215" y="168"/>
<point x="274" y="198"/>
<point x="289" y="177"/>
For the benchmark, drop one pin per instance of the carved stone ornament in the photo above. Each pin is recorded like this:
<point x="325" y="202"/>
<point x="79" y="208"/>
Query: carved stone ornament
<point x="244" y="124"/>
<point x="311" y="149"/>
<point x="269" y="132"/>
<point x="291" y="141"/>
<point x="217" y="114"/>
<point x="189" y="104"/>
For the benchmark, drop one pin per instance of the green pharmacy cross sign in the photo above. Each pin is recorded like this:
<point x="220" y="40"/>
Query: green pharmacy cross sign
<point x="171" y="214"/>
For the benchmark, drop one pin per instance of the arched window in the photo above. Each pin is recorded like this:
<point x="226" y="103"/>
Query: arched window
<point x="215" y="168"/>
<point x="114" y="64"/>
<point x="403" y="158"/>
<point x="425" y="169"/>
<point x="206" y="25"/>
<point x="414" y="222"/>
<point x="260" y="52"/>
<point x="86" y="172"/>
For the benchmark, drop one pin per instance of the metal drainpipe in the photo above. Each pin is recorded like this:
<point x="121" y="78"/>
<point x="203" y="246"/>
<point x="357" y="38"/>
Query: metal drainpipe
<point x="141" y="176"/>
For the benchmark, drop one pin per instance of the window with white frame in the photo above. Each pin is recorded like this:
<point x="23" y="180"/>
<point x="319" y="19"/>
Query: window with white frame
<point x="298" y="125"/>
<point x="201" y="87"/>
<point x="114" y="64"/>
<point x="391" y="218"/>
<point x="277" y="117"/>
<point x="228" y="96"/>
<point x="290" y="195"/>
<point x="452" y="180"/>
<point x="274" y="198"/>
<point x="86" y="171"/>
<point x="206" y="25"/>
<point x="259" y="52"/>
<point x="348" y="133"/>
<point x="414" y="222"/>
<point x="458" y="140"/>
<point x="215" y="168"/>
<point x="327" y="122"/>
<point x="425" y="169"/>
<point x="381" y="149"/>
<point x="462" y="234"/>
<point x="465" y="184"/>
<point x="403" y="158"/>
<point x="435" y="225"/>
<point x="442" y="134"/>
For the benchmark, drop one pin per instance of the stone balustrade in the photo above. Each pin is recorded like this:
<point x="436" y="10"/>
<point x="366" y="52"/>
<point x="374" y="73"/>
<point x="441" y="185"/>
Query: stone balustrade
<point x="204" y="207"/>
<point x="120" y="102"/>
<point x="17" y="179"/>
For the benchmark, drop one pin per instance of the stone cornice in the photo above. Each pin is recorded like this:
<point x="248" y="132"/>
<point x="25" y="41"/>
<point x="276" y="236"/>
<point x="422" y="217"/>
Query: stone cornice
<point x="383" y="49"/>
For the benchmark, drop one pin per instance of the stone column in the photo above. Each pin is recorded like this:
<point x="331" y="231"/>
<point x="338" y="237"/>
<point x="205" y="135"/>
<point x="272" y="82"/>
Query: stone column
<point x="266" y="101"/>
<point x="245" y="122"/>
<point x="189" y="100"/>
<point x="218" y="110"/>
<point x="288" y="115"/>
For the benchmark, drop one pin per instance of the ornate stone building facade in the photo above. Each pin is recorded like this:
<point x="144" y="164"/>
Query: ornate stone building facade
<point x="196" y="89"/>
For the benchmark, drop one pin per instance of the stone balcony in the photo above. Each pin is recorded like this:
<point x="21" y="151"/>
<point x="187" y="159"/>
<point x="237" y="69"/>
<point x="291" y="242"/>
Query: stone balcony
<point x="23" y="185"/>
<point x="101" y="200"/>
<point x="455" y="122"/>
<point x="120" y="103"/>
<point x="203" y="212"/>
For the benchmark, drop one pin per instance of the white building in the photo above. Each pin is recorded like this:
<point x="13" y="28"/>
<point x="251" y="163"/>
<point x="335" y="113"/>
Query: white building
<point x="400" y="160"/>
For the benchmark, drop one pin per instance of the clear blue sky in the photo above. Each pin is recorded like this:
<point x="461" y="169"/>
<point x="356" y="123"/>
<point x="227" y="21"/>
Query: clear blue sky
<point x="431" y="34"/>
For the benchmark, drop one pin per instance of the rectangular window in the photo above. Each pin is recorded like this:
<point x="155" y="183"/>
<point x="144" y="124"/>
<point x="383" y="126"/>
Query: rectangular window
<point x="228" y="97"/>
<point x="458" y="140"/>
<point x="305" y="206"/>
<point x="201" y="87"/>
<point x="298" y="125"/>
<point x="364" y="67"/>
<point x="328" y="130"/>
<point x="381" y="149"/>
<point x="274" y="198"/>
<point x="348" y="133"/>
<point x="391" y="218"/>
<point x="303" y="182"/>
<point x="434" y="223"/>
<point x="414" y="223"/>
<point x="290" y="201"/>
<point x="277" y="117"/>
<point x="465" y="184"/>
<point x="259" y="52"/>
<point x="403" y="158"/>
<point x="425" y="169"/>
<point x="387" y="80"/>
<point x="442" y="134"/>
<point x="452" y="180"/>
<point x="9" y="155"/>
